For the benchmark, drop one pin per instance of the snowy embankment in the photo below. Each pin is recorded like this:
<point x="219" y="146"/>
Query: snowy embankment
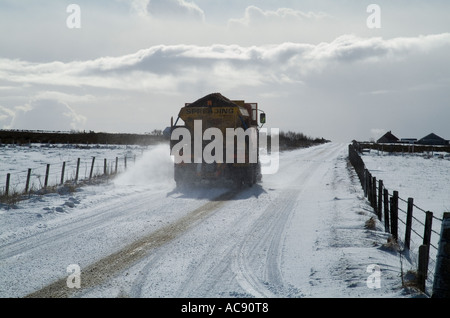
<point x="300" y="233"/>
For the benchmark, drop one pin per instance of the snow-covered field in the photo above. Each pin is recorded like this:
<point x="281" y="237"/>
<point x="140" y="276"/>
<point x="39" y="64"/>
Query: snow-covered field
<point x="16" y="160"/>
<point x="423" y="177"/>
<point x="299" y="233"/>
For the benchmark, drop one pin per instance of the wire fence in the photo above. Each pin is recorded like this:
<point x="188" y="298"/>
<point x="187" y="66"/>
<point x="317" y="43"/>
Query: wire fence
<point x="58" y="176"/>
<point x="418" y="234"/>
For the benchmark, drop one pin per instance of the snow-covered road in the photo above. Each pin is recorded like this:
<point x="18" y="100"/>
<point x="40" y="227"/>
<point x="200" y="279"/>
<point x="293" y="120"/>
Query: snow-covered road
<point x="299" y="233"/>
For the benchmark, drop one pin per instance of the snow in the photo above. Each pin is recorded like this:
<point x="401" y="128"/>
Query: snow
<point x="425" y="178"/>
<point x="16" y="160"/>
<point x="299" y="233"/>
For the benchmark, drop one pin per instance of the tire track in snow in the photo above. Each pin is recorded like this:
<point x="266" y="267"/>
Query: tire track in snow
<point x="211" y="273"/>
<point x="245" y="257"/>
<point x="248" y="263"/>
<point x="246" y="260"/>
<point x="263" y="247"/>
<point x="107" y="267"/>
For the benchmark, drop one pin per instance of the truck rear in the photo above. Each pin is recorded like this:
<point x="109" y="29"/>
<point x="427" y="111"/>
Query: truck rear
<point x="218" y="142"/>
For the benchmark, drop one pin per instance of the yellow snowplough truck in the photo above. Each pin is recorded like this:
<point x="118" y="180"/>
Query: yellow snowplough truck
<point x="218" y="142"/>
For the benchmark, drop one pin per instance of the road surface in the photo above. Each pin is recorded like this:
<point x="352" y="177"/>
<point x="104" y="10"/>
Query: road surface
<point x="299" y="233"/>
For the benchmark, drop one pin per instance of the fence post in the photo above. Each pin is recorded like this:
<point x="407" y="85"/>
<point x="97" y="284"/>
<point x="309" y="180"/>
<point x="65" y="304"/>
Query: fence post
<point x="27" y="184"/>
<point x="104" y="166"/>
<point x="394" y="215"/>
<point x="427" y="230"/>
<point x="424" y="254"/>
<point x="369" y="187"/>
<point x="78" y="170"/>
<point x="92" y="168"/>
<point x="441" y="283"/>
<point x="386" y="210"/>
<point x="365" y="182"/>
<point x="125" y="160"/>
<point x="62" y="172"/>
<point x="380" y="198"/>
<point x="8" y="177"/>
<point x="374" y="194"/>
<point x="409" y="215"/>
<point x="47" y="171"/>
<point x="117" y="162"/>
<point x="422" y="266"/>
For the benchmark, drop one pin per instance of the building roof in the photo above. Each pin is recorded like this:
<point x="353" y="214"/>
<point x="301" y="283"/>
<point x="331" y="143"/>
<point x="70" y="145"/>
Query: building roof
<point x="433" y="136"/>
<point x="387" y="137"/>
<point x="432" y="139"/>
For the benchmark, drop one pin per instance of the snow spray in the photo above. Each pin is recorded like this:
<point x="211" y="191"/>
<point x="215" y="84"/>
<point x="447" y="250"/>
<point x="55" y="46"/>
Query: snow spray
<point x="154" y="167"/>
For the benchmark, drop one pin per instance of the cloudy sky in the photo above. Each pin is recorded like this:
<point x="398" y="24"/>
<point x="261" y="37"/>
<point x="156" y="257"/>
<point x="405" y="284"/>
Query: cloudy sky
<point x="337" y="69"/>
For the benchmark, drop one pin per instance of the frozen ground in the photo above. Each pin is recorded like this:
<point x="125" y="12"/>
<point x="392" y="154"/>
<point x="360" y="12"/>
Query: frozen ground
<point x="300" y="233"/>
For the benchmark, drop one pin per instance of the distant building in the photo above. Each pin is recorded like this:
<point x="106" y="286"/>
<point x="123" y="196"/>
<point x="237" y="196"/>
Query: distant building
<point x="408" y="141"/>
<point x="387" y="138"/>
<point x="433" y="139"/>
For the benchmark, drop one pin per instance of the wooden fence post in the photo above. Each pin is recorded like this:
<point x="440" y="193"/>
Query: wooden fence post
<point x="441" y="283"/>
<point x="117" y="162"/>
<point x="424" y="252"/>
<point x="125" y="160"/>
<point x="409" y="215"/>
<point x="27" y="184"/>
<point x="422" y="267"/>
<point x="386" y="210"/>
<point x="47" y="171"/>
<point x="8" y="177"/>
<point x="394" y="215"/>
<point x="62" y="172"/>
<point x="92" y="168"/>
<point x="427" y="230"/>
<point x="365" y="182"/>
<point x="374" y="194"/>
<point x="104" y="167"/>
<point x="380" y="198"/>
<point x="78" y="170"/>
